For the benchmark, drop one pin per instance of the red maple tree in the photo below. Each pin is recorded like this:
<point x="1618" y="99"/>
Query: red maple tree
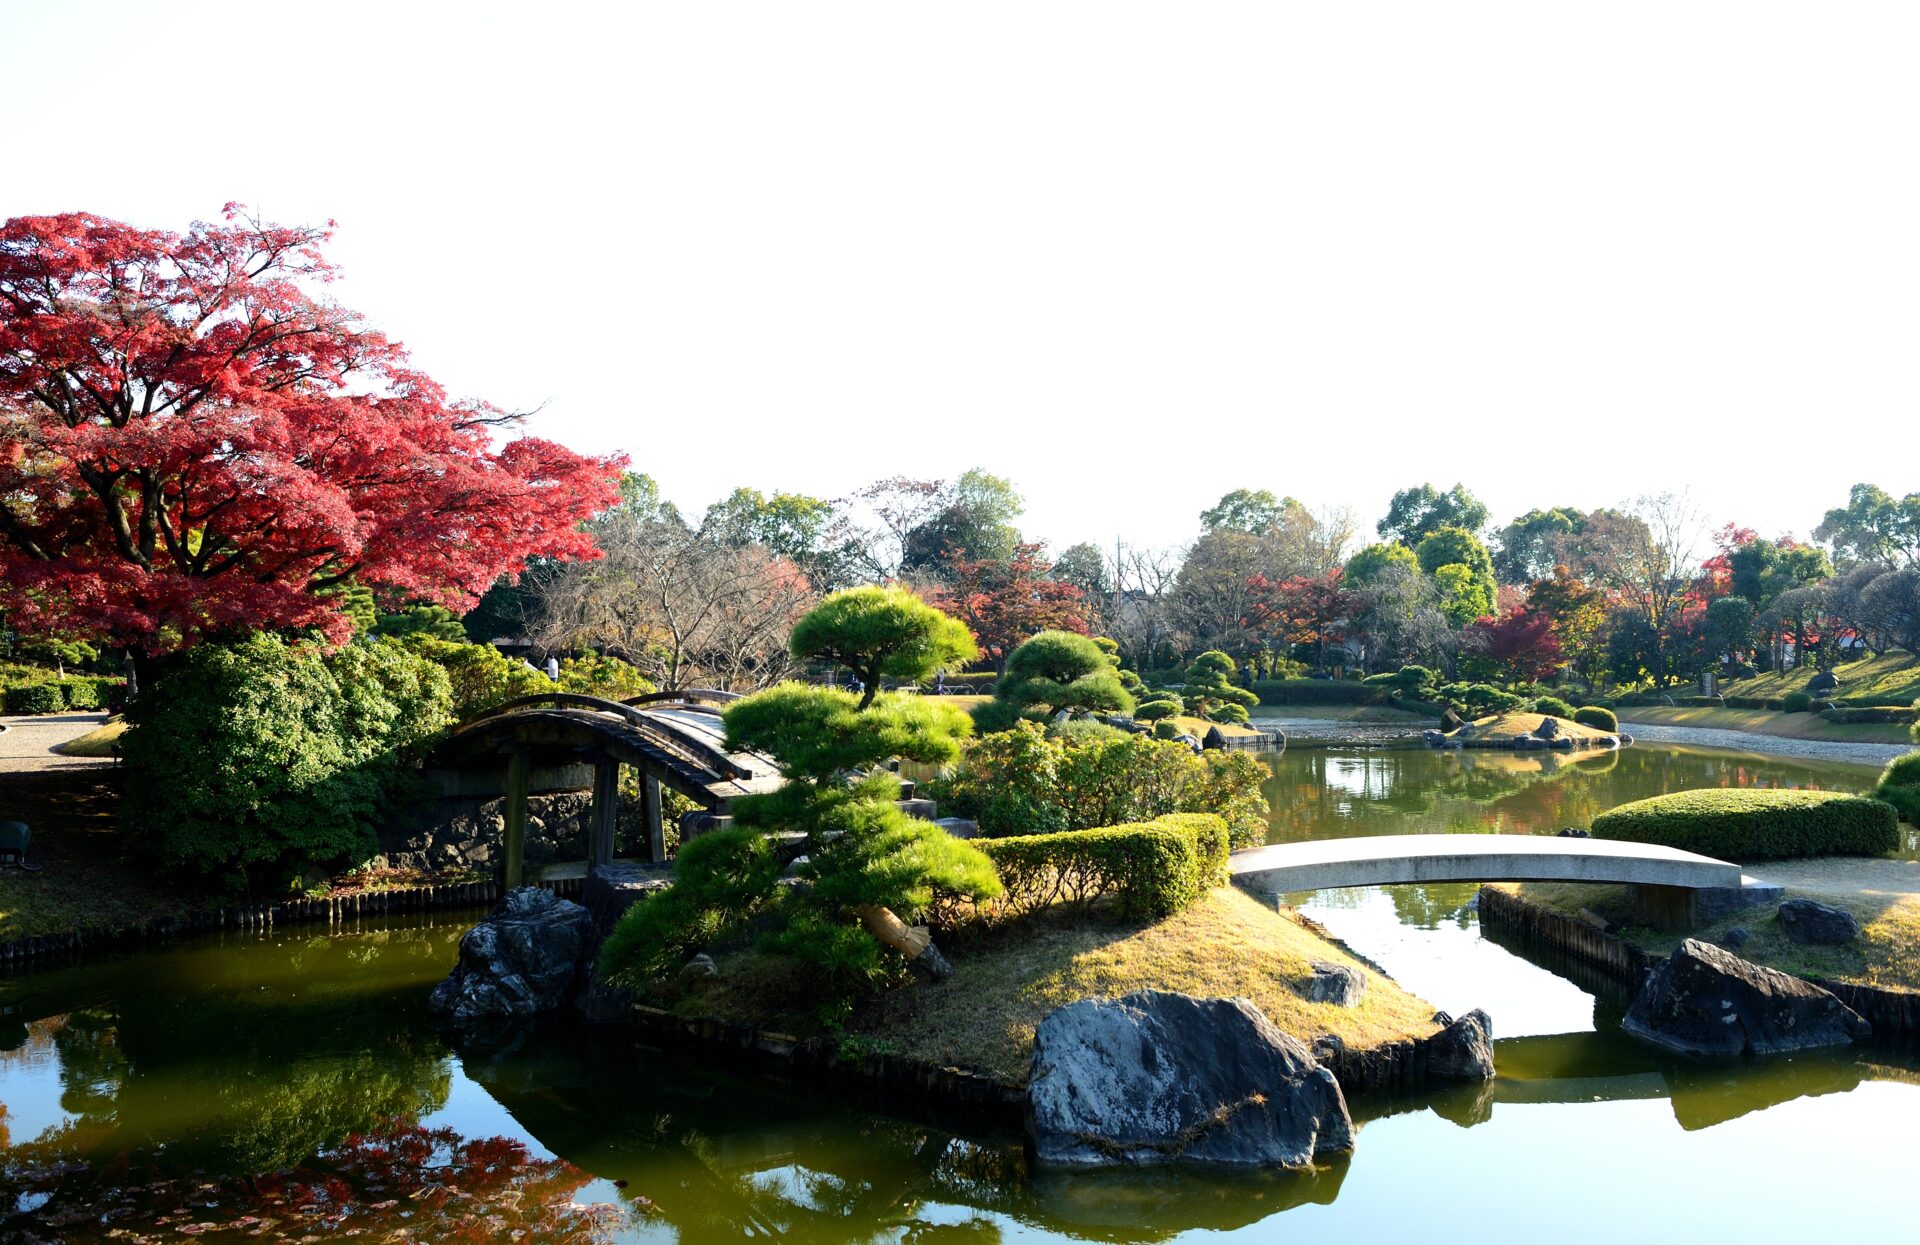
<point x="1006" y="602"/>
<point x="1521" y="643"/>
<point x="1311" y="610"/>
<point x="194" y="442"/>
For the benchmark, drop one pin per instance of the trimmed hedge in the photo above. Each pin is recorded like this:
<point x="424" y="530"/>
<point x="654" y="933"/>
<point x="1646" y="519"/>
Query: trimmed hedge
<point x="1150" y="869"/>
<point x="1554" y="707"/>
<point x="1319" y="692"/>
<point x="1899" y="716"/>
<point x="1796" y="702"/>
<point x="1596" y="717"/>
<point x="1154" y="710"/>
<point x="1900" y="786"/>
<point x="35" y="698"/>
<point x="1744" y="824"/>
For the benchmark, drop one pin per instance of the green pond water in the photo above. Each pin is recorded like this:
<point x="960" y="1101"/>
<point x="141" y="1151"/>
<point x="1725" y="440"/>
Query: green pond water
<point x="289" y="1086"/>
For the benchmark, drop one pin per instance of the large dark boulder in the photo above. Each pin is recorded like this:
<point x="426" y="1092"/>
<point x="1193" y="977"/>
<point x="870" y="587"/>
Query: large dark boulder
<point x="1808" y="922"/>
<point x="1157" y="1078"/>
<point x="1706" y="1000"/>
<point x="524" y="959"/>
<point x="1463" y="1049"/>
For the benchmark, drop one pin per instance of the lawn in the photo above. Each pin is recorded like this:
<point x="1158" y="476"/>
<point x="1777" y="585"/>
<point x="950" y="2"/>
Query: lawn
<point x="1895" y="676"/>
<point x="1886" y="955"/>
<point x="1767" y="722"/>
<point x="99" y="742"/>
<point x="1006" y="981"/>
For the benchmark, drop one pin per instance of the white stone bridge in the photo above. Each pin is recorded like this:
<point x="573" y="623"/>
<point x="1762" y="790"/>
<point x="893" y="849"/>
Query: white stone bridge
<point x="1675" y="888"/>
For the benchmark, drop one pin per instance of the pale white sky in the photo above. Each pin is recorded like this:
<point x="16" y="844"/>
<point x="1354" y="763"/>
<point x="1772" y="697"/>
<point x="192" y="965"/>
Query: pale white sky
<point x="1132" y="256"/>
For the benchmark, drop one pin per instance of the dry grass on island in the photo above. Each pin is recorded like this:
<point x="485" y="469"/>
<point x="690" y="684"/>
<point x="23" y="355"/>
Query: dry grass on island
<point x="1005" y="981"/>
<point x="1504" y="728"/>
<point x="1883" y="894"/>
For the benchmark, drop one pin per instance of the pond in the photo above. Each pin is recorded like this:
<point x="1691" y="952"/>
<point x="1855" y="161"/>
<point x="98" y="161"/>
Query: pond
<point x="289" y="1086"/>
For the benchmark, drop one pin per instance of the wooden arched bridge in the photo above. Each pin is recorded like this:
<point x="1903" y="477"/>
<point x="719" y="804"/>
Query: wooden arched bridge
<point x="674" y="739"/>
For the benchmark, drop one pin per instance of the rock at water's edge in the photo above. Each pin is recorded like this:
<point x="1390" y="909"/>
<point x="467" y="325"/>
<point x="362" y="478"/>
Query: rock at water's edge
<point x="1706" y="1000"/>
<point x="524" y="959"/>
<point x="1463" y="1050"/>
<point x="1157" y="1078"/>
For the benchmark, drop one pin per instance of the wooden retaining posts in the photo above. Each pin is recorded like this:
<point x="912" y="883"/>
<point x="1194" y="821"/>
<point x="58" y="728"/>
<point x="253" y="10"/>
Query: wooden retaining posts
<point x="1894" y="1014"/>
<point x="332" y="910"/>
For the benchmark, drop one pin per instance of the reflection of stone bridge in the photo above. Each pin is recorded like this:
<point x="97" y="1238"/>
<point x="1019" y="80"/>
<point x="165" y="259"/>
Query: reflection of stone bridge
<point x="674" y="739"/>
<point x="1675" y="888"/>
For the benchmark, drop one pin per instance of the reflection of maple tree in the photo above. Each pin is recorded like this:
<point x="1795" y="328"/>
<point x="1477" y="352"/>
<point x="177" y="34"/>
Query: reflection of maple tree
<point x="398" y="1182"/>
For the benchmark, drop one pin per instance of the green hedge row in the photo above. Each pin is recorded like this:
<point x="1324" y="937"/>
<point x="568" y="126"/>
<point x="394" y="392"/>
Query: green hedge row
<point x="1901" y="716"/>
<point x="1757" y="825"/>
<point x="1319" y="692"/>
<point x="76" y="691"/>
<point x="1900" y="786"/>
<point x="1149" y="869"/>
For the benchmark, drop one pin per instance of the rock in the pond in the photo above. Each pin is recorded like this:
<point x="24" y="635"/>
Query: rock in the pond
<point x="1706" y="1000"/>
<point x="1334" y="983"/>
<point x="524" y="959"/>
<point x="1572" y="832"/>
<point x="1463" y="1049"/>
<point x="1156" y="1078"/>
<point x="1808" y="922"/>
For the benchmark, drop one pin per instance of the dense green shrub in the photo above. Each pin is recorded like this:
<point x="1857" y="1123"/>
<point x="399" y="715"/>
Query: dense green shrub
<point x="35" y="698"/>
<point x="1596" y="717"/>
<point x="481" y="678"/>
<point x="1855" y="716"/>
<point x="1058" y="670"/>
<point x="1319" y="692"/>
<point x="1210" y="692"/>
<point x="1154" y="710"/>
<point x="720" y="880"/>
<point x="1900" y="785"/>
<point x="1476" y="700"/>
<point x="1166" y="730"/>
<point x="1023" y="782"/>
<point x="1236" y="714"/>
<point x="1873" y="702"/>
<point x="1553" y="706"/>
<point x="1796" y="702"/>
<point x="1211" y="840"/>
<point x="594" y="674"/>
<point x="1744" y="824"/>
<point x="257" y="757"/>
<point x="1079" y="730"/>
<point x="82" y="694"/>
<point x="1148" y="870"/>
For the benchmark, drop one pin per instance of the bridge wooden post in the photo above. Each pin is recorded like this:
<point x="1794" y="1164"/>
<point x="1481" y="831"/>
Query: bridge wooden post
<point x="656" y="829"/>
<point x="519" y="767"/>
<point x="606" y="811"/>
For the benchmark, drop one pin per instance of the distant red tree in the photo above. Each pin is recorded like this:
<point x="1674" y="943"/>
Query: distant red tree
<point x="1005" y="603"/>
<point x="193" y="442"/>
<point x="1520" y="643"/>
<point x="1303" y="610"/>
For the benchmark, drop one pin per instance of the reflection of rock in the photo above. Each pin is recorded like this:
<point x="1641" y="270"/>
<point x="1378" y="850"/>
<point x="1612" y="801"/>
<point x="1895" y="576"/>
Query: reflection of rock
<point x="1463" y="1050"/>
<point x="1706" y="1000"/>
<point x="1808" y="922"/>
<point x="1705" y="1094"/>
<point x="1338" y="984"/>
<point x="524" y="959"/>
<point x="1157" y="1078"/>
<point x="1465" y="1105"/>
<point x="1163" y="1204"/>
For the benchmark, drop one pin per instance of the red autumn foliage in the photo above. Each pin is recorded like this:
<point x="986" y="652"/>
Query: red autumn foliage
<point x="1521" y="643"/>
<point x="1005" y="603"/>
<point x="1305" y="609"/>
<point x="194" y="442"/>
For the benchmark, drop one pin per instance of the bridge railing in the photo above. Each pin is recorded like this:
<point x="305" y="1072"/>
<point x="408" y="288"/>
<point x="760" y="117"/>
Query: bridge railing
<point x="693" y="751"/>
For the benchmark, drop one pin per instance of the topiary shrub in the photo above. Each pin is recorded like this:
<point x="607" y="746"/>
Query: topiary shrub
<point x="1796" y="702"/>
<point x="1230" y="713"/>
<point x="1211" y="840"/>
<point x="1553" y="706"/>
<point x="1166" y="730"/>
<point x="1154" y="710"/>
<point x="1596" y="717"/>
<point x="1058" y="670"/>
<point x="1319" y="692"/>
<point x="1742" y="824"/>
<point x="35" y="698"/>
<point x="1900" y="786"/>
<point x="1147" y="870"/>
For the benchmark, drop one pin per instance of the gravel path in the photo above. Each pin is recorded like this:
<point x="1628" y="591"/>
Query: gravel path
<point x="1844" y="875"/>
<point x="1767" y="745"/>
<point x="26" y="746"/>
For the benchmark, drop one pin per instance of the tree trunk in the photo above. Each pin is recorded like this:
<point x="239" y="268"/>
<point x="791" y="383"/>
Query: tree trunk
<point x="913" y="941"/>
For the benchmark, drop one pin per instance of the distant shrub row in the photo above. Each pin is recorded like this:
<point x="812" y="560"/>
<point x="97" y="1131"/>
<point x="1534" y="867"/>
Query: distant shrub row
<point x="1146" y="869"/>
<point x="1320" y="692"/>
<point x="78" y="692"/>
<point x="1757" y="825"/>
<point x="1900" y="716"/>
